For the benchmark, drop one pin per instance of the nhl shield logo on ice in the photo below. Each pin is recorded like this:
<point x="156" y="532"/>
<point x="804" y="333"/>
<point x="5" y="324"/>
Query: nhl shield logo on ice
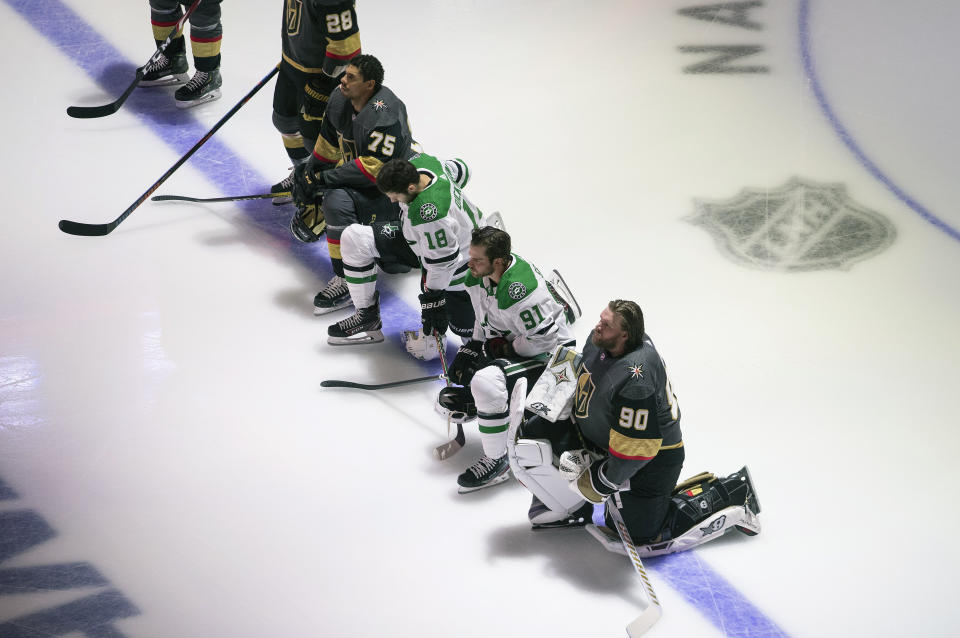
<point x="800" y="226"/>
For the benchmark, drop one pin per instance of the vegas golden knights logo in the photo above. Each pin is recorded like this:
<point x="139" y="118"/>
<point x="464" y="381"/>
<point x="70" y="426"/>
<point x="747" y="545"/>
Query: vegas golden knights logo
<point x="585" y="389"/>
<point x="294" y="11"/>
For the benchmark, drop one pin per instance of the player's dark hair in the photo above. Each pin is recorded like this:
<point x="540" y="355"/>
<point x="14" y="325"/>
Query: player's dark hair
<point x="370" y="68"/>
<point x="396" y="175"/>
<point x="495" y="242"/>
<point x="631" y="321"/>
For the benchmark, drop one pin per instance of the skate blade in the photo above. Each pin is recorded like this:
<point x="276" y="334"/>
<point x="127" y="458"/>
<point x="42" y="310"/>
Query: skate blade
<point x="317" y="310"/>
<point x="209" y="97"/>
<point x="503" y="478"/>
<point x="170" y="80"/>
<point x="374" y="336"/>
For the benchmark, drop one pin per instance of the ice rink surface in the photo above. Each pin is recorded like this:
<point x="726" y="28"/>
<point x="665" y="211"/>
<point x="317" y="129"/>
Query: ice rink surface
<point x="773" y="182"/>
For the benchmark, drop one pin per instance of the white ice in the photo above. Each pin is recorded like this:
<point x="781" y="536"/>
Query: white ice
<point x="160" y="399"/>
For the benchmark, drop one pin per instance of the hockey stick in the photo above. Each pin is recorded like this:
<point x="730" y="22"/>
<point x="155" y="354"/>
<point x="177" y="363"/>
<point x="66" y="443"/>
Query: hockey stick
<point x="209" y="200"/>
<point x="452" y="446"/>
<point x="651" y="614"/>
<point x="97" y="230"/>
<point x="113" y="107"/>
<point x="336" y="383"/>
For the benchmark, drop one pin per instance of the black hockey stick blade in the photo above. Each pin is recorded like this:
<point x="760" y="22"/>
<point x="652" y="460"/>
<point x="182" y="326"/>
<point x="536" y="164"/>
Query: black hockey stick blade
<point x="98" y="230"/>
<point x="235" y="198"/>
<point x="336" y="383"/>
<point x="87" y="112"/>
<point x="86" y="230"/>
<point x="113" y="107"/>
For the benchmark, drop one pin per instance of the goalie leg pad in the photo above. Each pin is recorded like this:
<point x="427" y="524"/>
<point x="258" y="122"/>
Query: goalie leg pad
<point x="695" y="503"/>
<point x="531" y="461"/>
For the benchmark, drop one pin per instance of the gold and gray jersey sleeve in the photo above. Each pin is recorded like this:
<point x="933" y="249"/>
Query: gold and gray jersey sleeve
<point x="320" y="36"/>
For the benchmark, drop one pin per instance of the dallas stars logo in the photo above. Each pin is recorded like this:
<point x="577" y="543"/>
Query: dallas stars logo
<point x="378" y="105"/>
<point x="636" y="371"/>
<point x="560" y="375"/>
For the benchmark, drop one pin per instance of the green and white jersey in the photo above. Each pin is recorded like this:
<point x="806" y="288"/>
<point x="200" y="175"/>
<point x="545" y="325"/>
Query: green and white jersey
<point x="437" y="225"/>
<point x="519" y="308"/>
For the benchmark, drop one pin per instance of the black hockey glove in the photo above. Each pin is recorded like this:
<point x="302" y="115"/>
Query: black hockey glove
<point x="433" y="312"/>
<point x="308" y="183"/>
<point x="498" y="348"/>
<point x="469" y="359"/>
<point x="308" y="223"/>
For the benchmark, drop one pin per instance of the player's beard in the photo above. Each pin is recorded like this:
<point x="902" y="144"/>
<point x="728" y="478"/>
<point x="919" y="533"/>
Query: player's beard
<point x="603" y="344"/>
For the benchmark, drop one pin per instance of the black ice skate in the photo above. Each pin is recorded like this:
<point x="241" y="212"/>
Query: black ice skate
<point x="166" y="71"/>
<point x="484" y="473"/>
<point x="363" y="327"/>
<point x="284" y="187"/>
<point x="333" y="297"/>
<point x="203" y="87"/>
<point x="540" y="516"/>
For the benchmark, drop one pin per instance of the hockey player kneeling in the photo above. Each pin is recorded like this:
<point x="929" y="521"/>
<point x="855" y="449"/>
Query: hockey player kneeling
<point x="520" y="320"/>
<point x="611" y="417"/>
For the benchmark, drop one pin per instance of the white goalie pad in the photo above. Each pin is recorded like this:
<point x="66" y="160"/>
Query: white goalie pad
<point x="531" y="461"/>
<point x="420" y="346"/>
<point x="706" y="530"/>
<point x="552" y="394"/>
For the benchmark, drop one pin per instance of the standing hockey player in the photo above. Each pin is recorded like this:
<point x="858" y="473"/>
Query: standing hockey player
<point x="519" y="322"/>
<point x="623" y="440"/>
<point x="433" y="232"/>
<point x="318" y="38"/>
<point x="365" y="126"/>
<point x="171" y="66"/>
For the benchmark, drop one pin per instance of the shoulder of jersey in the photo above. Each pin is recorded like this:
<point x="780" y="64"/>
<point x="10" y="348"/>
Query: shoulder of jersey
<point x="517" y="283"/>
<point x="433" y="203"/>
<point x="635" y="369"/>
<point x="383" y="109"/>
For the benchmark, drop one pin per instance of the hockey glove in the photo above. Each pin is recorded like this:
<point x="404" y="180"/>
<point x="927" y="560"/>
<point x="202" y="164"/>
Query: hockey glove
<point x="308" y="183"/>
<point x="498" y="348"/>
<point x="593" y="485"/>
<point x="469" y="359"/>
<point x="308" y="223"/>
<point x="433" y="312"/>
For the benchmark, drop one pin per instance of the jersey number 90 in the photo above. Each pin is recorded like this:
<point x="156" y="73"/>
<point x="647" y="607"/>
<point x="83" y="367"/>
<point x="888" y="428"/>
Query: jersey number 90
<point x="634" y="419"/>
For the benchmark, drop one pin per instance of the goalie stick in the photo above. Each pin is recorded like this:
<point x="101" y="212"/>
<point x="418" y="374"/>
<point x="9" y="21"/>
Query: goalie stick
<point x="652" y="612"/>
<point x="98" y="230"/>
<point x="454" y="445"/>
<point x="336" y="383"/>
<point x="113" y="107"/>
<point x="210" y="200"/>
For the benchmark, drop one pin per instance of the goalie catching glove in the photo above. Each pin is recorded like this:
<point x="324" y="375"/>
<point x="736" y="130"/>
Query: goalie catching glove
<point x="591" y="484"/>
<point x="433" y="312"/>
<point x="469" y="359"/>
